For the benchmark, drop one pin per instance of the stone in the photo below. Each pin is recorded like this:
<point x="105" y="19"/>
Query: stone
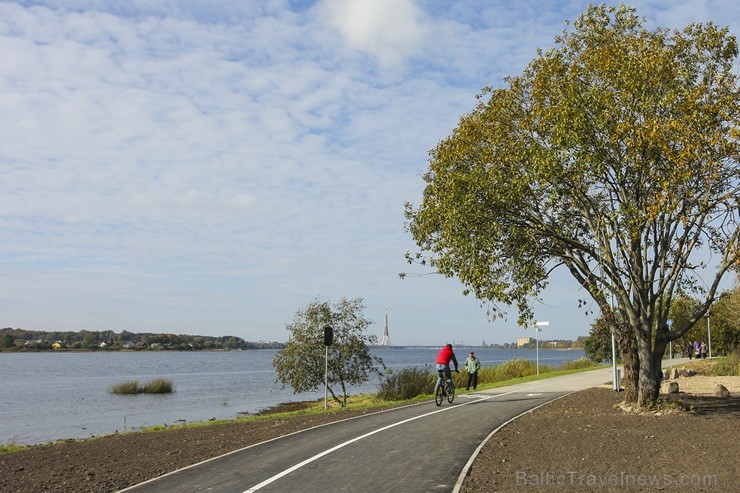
<point x="684" y="372"/>
<point x="666" y="375"/>
<point x="721" y="391"/>
<point x="670" y="387"/>
<point x="674" y="373"/>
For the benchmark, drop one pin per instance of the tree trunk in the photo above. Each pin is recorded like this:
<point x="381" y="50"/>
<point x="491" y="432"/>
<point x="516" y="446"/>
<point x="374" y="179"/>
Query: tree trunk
<point x="335" y="398"/>
<point x="630" y="364"/>
<point x="650" y="375"/>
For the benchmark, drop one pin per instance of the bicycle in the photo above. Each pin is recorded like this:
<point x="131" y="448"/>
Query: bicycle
<point x="444" y="389"/>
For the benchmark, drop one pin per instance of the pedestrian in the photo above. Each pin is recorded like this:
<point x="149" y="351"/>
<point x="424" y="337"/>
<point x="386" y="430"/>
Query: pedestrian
<point x="472" y="364"/>
<point x="690" y="350"/>
<point x="703" y="350"/>
<point x="697" y="350"/>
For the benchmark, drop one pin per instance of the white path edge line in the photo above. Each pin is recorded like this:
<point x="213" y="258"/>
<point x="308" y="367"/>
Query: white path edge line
<point x="361" y="437"/>
<point x="477" y="451"/>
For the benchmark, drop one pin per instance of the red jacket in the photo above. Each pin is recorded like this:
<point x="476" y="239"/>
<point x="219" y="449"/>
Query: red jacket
<point x="445" y="356"/>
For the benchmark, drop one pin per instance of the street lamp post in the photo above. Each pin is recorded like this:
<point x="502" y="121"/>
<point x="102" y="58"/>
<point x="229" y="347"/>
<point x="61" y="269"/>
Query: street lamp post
<point x="669" y="322"/>
<point x="709" y="335"/>
<point x="537" y="329"/>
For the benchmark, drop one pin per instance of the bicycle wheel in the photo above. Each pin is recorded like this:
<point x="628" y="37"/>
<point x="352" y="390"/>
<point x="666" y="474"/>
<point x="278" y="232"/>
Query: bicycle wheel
<point x="451" y="393"/>
<point x="439" y="394"/>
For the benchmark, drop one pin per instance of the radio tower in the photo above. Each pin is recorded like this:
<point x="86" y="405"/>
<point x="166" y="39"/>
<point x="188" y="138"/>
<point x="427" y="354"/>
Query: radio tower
<point x="386" y="340"/>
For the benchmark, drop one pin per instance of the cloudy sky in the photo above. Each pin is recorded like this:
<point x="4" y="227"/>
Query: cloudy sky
<point x="210" y="167"/>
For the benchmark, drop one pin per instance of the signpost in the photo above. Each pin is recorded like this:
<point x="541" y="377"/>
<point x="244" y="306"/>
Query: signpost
<point x="328" y="339"/>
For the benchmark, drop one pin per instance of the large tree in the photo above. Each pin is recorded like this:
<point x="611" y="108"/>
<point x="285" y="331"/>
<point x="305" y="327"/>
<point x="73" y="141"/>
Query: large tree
<point x="614" y="155"/>
<point x="301" y="364"/>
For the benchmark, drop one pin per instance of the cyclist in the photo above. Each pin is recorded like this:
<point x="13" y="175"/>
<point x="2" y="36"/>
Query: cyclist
<point x="443" y="364"/>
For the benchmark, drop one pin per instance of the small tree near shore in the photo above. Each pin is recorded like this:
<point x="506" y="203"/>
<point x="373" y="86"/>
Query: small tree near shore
<point x="301" y="364"/>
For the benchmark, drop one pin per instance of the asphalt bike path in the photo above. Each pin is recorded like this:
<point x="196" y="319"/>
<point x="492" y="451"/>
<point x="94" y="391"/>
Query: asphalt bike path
<point x="418" y="448"/>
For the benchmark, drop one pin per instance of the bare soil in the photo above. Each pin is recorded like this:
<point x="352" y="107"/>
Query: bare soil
<point x="587" y="442"/>
<point x="582" y="442"/>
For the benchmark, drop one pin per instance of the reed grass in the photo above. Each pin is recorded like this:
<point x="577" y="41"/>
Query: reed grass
<point x="125" y="388"/>
<point x="515" y="368"/>
<point x="577" y="364"/>
<point x="158" y="386"/>
<point x="406" y="383"/>
<point x="130" y="387"/>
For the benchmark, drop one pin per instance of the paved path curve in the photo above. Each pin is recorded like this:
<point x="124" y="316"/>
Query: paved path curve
<point x="418" y="448"/>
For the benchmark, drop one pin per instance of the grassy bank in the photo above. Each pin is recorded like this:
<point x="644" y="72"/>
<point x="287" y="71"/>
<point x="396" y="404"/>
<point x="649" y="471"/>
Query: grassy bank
<point x="717" y="366"/>
<point x="509" y="374"/>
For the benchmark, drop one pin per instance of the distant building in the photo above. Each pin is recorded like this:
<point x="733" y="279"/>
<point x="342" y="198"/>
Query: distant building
<point x="523" y="341"/>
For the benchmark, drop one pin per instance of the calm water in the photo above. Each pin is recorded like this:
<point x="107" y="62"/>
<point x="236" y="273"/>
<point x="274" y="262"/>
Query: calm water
<point x="51" y="396"/>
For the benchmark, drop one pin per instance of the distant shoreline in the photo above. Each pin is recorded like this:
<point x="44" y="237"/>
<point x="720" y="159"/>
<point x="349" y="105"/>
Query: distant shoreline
<point x="127" y="350"/>
<point x="219" y="350"/>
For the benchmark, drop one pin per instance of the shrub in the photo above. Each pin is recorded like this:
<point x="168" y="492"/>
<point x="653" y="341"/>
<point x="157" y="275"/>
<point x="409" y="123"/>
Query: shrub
<point x="406" y="383"/>
<point x="157" y="386"/>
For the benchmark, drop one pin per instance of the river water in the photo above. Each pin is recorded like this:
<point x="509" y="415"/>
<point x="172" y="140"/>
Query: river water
<point x="51" y="396"/>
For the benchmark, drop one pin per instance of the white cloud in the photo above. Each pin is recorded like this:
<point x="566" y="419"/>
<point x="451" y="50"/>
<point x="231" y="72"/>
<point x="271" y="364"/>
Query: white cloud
<point x="215" y="169"/>
<point x="389" y="30"/>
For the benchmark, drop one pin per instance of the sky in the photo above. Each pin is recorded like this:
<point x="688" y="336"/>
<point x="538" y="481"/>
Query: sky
<point x="212" y="167"/>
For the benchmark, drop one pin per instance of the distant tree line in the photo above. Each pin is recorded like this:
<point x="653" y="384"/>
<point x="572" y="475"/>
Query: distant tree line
<point x="107" y="340"/>
<point x="543" y="344"/>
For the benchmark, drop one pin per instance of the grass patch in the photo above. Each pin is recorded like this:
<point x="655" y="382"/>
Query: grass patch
<point x="705" y="367"/>
<point x="11" y="447"/>
<point x="156" y="386"/>
<point x="728" y="366"/>
<point x="722" y="366"/>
